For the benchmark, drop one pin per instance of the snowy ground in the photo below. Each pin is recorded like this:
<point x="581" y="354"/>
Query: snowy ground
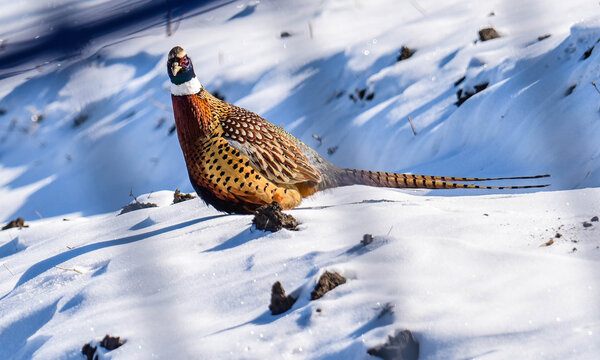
<point x="464" y="271"/>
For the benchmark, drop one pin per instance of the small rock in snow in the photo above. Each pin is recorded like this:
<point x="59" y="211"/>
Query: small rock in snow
<point x="586" y="224"/>
<point x="594" y="219"/>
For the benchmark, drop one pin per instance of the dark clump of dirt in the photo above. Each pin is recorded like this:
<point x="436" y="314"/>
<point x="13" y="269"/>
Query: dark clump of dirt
<point x="367" y="239"/>
<point x="271" y="218"/>
<point x="16" y="223"/>
<point x="594" y="219"/>
<point x="586" y="224"/>
<point x="401" y="346"/>
<point x="488" y="34"/>
<point x="332" y="150"/>
<point x="361" y="94"/>
<point x="2" y="111"/>
<point x="280" y="303"/>
<point x="465" y="95"/>
<point x="544" y="37"/>
<point x="327" y="282"/>
<point x="89" y="351"/>
<point x="285" y="34"/>
<point x="570" y="89"/>
<point x="405" y="53"/>
<point x="111" y="342"/>
<point x="178" y="197"/>
<point x="136" y="206"/>
<point x="80" y="119"/>
<point x="172" y="129"/>
<point x="459" y="81"/>
<point x="587" y="53"/>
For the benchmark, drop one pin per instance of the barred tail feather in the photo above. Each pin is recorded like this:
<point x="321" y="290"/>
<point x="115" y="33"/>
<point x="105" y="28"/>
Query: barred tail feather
<point x="393" y="180"/>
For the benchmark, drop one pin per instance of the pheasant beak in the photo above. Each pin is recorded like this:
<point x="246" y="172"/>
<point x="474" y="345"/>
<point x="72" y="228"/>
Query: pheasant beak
<point x="175" y="68"/>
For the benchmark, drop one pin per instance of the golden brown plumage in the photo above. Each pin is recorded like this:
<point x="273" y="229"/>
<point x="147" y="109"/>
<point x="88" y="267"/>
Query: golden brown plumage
<point x="237" y="161"/>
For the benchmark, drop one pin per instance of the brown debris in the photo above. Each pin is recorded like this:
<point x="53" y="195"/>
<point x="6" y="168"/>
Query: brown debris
<point x="401" y="346"/>
<point x="570" y="90"/>
<point x="89" y="351"/>
<point x="405" y="53"/>
<point x="18" y="222"/>
<point x="488" y="34"/>
<point x="465" y="95"/>
<point x="543" y="37"/>
<point x="327" y="282"/>
<point x="271" y="218"/>
<point x="136" y="206"/>
<point x="280" y="303"/>
<point x="367" y="239"/>
<point x="548" y="243"/>
<point x="111" y="342"/>
<point x="178" y="196"/>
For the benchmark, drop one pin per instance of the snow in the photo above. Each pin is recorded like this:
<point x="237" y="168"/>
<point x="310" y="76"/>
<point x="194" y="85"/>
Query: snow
<point x="462" y="269"/>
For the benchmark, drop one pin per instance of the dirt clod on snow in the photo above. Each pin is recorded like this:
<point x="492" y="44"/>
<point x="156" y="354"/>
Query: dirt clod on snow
<point x="367" y="239"/>
<point x="280" y="303"/>
<point x="488" y="34"/>
<point x="327" y="282"/>
<point x="111" y="342"/>
<point x="89" y="351"/>
<point x="405" y="53"/>
<point x="18" y="222"/>
<point x="136" y="206"/>
<point x="401" y="346"/>
<point x="271" y="218"/>
<point x="178" y="196"/>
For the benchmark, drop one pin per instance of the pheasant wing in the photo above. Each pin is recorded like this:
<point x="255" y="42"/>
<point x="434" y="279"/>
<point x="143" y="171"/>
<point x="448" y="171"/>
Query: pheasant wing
<point x="270" y="149"/>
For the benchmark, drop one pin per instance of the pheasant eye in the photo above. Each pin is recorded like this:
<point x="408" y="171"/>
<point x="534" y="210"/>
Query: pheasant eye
<point x="184" y="61"/>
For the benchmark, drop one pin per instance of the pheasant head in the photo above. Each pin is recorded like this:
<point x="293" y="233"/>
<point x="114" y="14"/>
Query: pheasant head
<point x="181" y="72"/>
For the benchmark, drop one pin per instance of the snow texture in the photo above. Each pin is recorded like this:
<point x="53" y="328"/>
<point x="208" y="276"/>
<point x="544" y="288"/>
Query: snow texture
<point x="463" y="270"/>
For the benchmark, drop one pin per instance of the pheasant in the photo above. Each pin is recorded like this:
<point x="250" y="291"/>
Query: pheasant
<point x="237" y="161"/>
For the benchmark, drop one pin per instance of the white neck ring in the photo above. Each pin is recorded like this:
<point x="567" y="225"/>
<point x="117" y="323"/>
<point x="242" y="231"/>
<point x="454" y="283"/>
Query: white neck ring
<point x="189" y="87"/>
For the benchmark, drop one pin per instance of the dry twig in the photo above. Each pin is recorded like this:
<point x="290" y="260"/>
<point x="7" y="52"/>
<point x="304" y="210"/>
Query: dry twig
<point x="69" y="269"/>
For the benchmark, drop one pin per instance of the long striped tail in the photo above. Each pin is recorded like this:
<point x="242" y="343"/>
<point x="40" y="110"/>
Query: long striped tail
<point x="393" y="180"/>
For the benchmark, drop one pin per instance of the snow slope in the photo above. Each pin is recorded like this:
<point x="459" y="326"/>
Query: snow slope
<point x="463" y="271"/>
<point x="465" y="274"/>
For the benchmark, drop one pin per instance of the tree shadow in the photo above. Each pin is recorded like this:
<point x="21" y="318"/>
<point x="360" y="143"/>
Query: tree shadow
<point x="71" y="35"/>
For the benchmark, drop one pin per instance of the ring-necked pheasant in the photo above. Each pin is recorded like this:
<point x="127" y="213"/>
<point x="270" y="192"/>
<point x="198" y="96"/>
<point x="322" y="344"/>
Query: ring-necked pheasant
<point x="237" y="161"/>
